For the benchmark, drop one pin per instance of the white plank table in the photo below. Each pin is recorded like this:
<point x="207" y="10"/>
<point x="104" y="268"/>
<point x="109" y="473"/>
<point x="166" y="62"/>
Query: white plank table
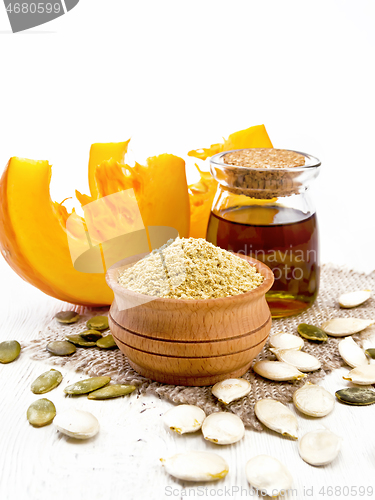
<point x="122" y="461"/>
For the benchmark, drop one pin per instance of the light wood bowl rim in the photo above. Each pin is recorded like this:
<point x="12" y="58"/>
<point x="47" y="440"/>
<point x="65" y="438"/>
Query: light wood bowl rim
<point x="262" y="289"/>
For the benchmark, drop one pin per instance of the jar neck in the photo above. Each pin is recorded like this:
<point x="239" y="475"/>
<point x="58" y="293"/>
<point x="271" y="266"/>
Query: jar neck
<point x="233" y="206"/>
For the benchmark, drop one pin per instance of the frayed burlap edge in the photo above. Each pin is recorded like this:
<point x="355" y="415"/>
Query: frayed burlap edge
<point x="334" y="281"/>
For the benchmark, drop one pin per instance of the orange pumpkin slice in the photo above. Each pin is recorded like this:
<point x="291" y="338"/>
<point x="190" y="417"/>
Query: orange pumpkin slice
<point x="203" y="192"/>
<point x="33" y="237"/>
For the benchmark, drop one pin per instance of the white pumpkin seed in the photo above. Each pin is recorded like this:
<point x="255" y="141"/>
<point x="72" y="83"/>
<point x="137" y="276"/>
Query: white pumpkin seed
<point x="228" y="390"/>
<point x="277" y="370"/>
<point x="313" y="400"/>
<point x="362" y="375"/>
<point x="268" y="475"/>
<point x="196" y="466"/>
<point x="277" y="417"/>
<point x="301" y="360"/>
<point x="184" y="418"/>
<point x="319" y="447"/>
<point x="77" y="424"/>
<point x="286" y="341"/>
<point x="354" y="299"/>
<point x="342" y="327"/>
<point x="223" y="428"/>
<point x="351" y="353"/>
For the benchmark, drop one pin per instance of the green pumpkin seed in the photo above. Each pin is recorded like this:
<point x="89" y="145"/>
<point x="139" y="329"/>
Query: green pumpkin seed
<point x="311" y="332"/>
<point x="9" y="351"/>
<point x="61" y="348"/>
<point x="370" y="353"/>
<point x="112" y="391"/>
<point x="78" y="340"/>
<point x="41" y="412"/>
<point x="67" y="317"/>
<point x="46" y="382"/>
<point x="357" y="396"/>
<point x="106" y="342"/>
<point x="87" y="385"/>
<point x="91" y="335"/>
<point x="98" y="323"/>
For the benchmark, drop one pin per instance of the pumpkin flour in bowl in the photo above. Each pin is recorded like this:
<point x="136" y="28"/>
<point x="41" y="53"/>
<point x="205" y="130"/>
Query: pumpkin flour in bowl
<point x="191" y="268"/>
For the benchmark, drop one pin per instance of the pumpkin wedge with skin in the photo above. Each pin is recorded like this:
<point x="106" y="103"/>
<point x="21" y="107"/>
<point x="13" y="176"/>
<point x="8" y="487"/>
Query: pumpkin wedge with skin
<point x="202" y="193"/>
<point x="33" y="238"/>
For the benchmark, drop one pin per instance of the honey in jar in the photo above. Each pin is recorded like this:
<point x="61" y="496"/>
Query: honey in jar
<point x="262" y="209"/>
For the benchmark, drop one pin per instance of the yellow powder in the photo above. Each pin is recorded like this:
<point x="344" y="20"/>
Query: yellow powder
<point x="191" y="268"/>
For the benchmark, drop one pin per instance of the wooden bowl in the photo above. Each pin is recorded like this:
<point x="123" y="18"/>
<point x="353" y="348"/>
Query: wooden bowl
<point x="190" y="342"/>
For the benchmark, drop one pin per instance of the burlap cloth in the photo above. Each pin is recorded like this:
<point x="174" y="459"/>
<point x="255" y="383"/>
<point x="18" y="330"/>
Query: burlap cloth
<point x="334" y="281"/>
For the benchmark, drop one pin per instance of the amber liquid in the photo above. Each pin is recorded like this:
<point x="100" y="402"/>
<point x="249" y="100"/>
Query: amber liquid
<point x="283" y="238"/>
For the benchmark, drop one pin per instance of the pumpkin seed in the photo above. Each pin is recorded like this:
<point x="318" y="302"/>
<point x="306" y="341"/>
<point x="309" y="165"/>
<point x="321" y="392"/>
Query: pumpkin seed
<point x="184" y="418"/>
<point x="9" y="351"/>
<point x="46" y="382"/>
<point x="277" y="417"/>
<point x="61" y="348"/>
<point x="277" y="370"/>
<point x="98" y="323"/>
<point x="351" y="353"/>
<point x="362" y="375"/>
<point x="311" y="332"/>
<point x="112" y="391"/>
<point x="354" y="299"/>
<point x="223" y="428"/>
<point x="87" y="385"/>
<point x="342" y="327"/>
<point x="67" y="317"/>
<point x="91" y="335"/>
<point x="301" y="360"/>
<point x="106" y="342"/>
<point x="80" y="341"/>
<point x="319" y="447"/>
<point x="267" y="475"/>
<point x="196" y="466"/>
<point x="286" y="341"/>
<point x="228" y="390"/>
<point x="370" y="352"/>
<point x="313" y="400"/>
<point x="41" y="412"/>
<point x="356" y="396"/>
<point x="77" y="424"/>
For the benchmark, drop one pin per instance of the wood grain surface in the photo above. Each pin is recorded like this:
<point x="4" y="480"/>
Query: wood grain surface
<point x="122" y="461"/>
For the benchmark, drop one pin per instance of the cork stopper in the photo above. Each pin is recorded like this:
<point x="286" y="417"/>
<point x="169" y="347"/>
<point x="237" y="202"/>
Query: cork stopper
<point x="261" y="172"/>
<point x="265" y="158"/>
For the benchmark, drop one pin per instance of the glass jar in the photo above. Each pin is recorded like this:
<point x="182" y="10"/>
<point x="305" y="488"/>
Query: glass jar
<point x="263" y="209"/>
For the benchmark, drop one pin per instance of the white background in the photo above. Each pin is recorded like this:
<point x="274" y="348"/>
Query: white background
<point x="178" y="75"/>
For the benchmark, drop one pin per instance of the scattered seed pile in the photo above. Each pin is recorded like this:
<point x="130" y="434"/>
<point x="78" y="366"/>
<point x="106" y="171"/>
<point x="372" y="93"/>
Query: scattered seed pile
<point x="190" y="268"/>
<point x="95" y="362"/>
